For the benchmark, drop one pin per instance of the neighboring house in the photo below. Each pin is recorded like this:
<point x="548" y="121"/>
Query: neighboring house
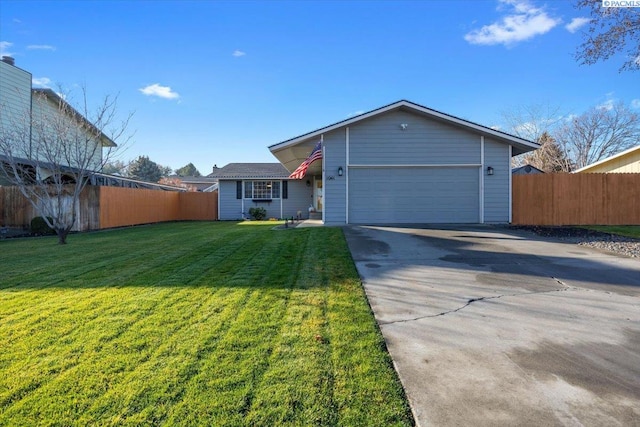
<point x="526" y="170"/>
<point x="627" y="161"/>
<point x="402" y="163"/>
<point x="34" y="119"/>
<point x="15" y="96"/>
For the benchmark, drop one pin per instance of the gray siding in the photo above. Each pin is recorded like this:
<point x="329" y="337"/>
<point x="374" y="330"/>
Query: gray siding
<point x="413" y="195"/>
<point x="496" y="186"/>
<point x="15" y="100"/>
<point x="381" y="141"/>
<point x="80" y="147"/>
<point x="419" y="194"/>
<point x="230" y="207"/>
<point x="300" y="197"/>
<point x="335" y="187"/>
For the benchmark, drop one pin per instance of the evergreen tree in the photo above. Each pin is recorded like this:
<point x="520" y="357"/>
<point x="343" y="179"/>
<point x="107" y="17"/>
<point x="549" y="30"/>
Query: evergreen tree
<point x="188" y="170"/>
<point x="145" y="169"/>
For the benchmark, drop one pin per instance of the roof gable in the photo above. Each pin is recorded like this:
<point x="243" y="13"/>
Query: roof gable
<point x="520" y="145"/>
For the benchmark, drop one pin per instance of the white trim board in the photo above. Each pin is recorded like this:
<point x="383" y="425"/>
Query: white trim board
<point x="453" y="165"/>
<point x="501" y="136"/>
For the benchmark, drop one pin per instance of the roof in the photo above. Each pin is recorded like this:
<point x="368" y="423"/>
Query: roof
<point x="200" y="183"/>
<point x="251" y="171"/>
<point x="52" y="96"/>
<point x="608" y="159"/>
<point x="195" y="179"/>
<point x="107" y="180"/>
<point x="526" y="169"/>
<point x="520" y="145"/>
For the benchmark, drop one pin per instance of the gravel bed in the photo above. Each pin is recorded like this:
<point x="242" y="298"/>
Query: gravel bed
<point x="622" y="245"/>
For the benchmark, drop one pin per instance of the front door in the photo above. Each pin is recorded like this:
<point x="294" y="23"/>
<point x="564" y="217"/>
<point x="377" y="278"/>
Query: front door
<point x="317" y="194"/>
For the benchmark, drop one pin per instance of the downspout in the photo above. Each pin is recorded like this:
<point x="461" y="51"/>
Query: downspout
<point x="510" y="185"/>
<point x="281" y="211"/>
<point x="324" y="188"/>
<point x="346" y="175"/>
<point x="481" y="199"/>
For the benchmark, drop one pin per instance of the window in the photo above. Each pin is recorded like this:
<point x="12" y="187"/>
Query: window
<point x="262" y="189"/>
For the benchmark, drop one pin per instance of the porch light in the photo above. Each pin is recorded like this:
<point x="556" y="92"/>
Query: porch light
<point x="340" y="171"/>
<point x="308" y="183"/>
<point x="489" y="170"/>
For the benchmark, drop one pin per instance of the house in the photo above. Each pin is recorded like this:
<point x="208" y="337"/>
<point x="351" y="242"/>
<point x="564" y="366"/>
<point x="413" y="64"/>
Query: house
<point x="401" y="163"/>
<point x="32" y="118"/>
<point x="627" y="161"/>
<point x="40" y="131"/>
<point x="526" y="170"/>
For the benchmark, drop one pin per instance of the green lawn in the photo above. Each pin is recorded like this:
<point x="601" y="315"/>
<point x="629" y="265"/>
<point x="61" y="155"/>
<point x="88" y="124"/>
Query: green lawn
<point x="212" y="324"/>
<point x="622" y="230"/>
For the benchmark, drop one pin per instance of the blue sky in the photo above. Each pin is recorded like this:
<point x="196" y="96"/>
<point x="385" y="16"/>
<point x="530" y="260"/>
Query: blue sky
<point x="213" y="82"/>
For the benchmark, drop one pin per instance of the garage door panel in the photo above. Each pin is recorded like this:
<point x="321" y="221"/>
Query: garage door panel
<point x="413" y="195"/>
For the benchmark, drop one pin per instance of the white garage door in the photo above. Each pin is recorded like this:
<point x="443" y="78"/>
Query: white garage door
<point x="413" y="195"/>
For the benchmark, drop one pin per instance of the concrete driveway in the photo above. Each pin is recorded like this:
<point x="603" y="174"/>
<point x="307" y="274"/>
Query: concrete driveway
<point x="489" y="326"/>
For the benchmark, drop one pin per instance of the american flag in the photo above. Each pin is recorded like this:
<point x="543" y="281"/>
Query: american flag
<point x="301" y="171"/>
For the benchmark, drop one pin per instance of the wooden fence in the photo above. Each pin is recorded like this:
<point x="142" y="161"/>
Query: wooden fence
<point x="108" y="207"/>
<point x="15" y="210"/>
<point x="128" y="206"/>
<point x="576" y="199"/>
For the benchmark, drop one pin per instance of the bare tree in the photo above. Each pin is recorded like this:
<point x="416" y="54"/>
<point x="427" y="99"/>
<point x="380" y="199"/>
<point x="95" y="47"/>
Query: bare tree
<point x="51" y="150"/>
<point x="599" y="133"/>
<point x="531" y="121"/>
<point x="611" y="30"/>
<point x="537" y="122"/>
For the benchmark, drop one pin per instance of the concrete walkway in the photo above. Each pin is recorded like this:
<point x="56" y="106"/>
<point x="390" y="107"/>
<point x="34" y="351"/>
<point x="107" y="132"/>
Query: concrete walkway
<point x="488" y="326"/>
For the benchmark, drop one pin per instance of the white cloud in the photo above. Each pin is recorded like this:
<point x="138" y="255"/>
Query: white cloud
<point x="238" y="53"/>
<point x="576" y="24"/>
<point x="635" y="103"/>
<point x="608" y="104"/>
<point x="41" y="47"/>
<point x="41" y="81"/>
<point x="159" y="91"/>
<point x="4" y="48"/>
<point x="355" y="113"/>
<point x="523" y="23"/>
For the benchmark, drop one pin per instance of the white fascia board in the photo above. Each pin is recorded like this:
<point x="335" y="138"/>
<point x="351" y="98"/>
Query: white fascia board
<point x="410" y="105"/>
<point x="615" y="156"/>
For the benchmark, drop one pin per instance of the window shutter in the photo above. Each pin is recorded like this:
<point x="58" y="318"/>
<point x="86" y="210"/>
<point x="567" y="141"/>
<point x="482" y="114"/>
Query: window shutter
<point x="238" y="189"/>
<point x="285" y="189"/>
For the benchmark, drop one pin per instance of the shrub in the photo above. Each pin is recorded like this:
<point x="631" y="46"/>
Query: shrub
<point x="258" y="213"/>
<point x="40" y="227"/>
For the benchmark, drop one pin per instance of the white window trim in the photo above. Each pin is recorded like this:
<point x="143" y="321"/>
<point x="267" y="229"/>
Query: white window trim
<point x="244" y="189"/>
